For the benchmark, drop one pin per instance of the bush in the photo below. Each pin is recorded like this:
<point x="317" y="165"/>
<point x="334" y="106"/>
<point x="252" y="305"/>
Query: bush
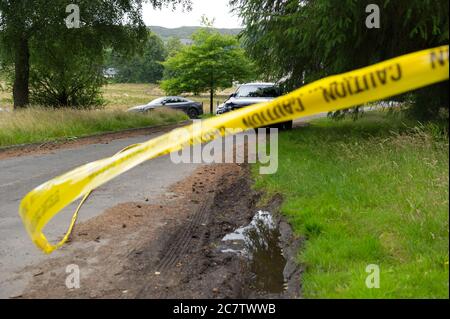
<point x="431" y="103"/>
<point x="66" y="73"/>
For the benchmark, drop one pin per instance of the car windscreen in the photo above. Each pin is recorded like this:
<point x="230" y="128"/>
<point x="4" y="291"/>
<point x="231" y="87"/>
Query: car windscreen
<point x="258" y="91"/>
<point x="157" y="101"/>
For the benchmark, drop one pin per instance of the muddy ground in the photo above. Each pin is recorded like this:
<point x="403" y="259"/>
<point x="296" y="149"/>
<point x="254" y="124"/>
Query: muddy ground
<point x="172" y="250"/>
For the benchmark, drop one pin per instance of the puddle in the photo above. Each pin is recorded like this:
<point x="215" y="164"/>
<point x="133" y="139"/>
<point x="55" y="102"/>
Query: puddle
<point x="259" y="244"/>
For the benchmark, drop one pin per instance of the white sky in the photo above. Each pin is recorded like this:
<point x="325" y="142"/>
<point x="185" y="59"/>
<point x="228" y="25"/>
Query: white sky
<point x="217" y="9"/>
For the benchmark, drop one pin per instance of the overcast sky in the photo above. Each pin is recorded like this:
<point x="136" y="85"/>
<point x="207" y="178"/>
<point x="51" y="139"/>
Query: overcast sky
<point x="217" y="9"/>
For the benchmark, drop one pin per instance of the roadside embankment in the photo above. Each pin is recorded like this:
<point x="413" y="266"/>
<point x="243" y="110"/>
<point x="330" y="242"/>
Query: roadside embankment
<point x="367" y="192"/>
<point x="40" y="125"/>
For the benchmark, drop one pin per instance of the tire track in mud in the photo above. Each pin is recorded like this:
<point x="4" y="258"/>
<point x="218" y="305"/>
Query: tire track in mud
<point x="182" y="244"/>
<point x="203" y="271"/>
<point x="193" y="265"/>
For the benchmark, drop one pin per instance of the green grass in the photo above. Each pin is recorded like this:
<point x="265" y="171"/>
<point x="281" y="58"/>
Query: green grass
<point x="374" y="191"/>
<point x="42" y="125"/>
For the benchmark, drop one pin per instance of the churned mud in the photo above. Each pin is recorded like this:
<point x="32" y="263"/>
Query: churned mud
<point x="207" y="239"/>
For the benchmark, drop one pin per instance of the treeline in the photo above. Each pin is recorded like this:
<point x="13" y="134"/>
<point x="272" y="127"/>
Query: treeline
<point x="187" y="32"/>
<point x="48" y="63"/>
<point x="145" y="66"/>
<point x="51" y="62"/>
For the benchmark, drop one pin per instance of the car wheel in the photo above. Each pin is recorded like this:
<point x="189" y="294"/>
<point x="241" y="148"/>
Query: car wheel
<point x="193" y="113"/>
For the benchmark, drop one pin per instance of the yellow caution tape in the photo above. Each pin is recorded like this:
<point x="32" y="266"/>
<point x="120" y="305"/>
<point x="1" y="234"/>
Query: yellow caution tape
<point x="365" y="85"/>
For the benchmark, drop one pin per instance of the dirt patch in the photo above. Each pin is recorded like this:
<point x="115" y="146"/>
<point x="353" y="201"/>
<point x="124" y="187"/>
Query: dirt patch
<point x="103" y="138"/>
<point x="169" y="250"/>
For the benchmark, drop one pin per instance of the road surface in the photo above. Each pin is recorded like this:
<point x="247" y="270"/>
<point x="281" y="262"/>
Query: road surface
<point x="19" y="175"/>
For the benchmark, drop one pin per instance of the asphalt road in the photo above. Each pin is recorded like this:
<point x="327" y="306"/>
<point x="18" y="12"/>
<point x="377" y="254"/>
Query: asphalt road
<point x="19" y="175"/>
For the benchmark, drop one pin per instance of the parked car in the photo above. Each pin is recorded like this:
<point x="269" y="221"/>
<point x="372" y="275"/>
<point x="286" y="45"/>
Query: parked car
<point x="252" y="93"/>
<point x="191" y="108"/>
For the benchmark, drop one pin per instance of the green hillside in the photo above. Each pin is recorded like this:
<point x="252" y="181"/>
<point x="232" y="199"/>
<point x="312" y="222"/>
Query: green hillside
<point x="186" y="32"/>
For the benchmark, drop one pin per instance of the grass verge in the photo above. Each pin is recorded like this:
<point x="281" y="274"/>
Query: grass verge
<point x="374" y="191"/>
<point x="34" y="125"/>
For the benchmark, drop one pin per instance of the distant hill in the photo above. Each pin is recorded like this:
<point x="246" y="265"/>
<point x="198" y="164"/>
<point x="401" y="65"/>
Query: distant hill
<point x="185" y="33"/>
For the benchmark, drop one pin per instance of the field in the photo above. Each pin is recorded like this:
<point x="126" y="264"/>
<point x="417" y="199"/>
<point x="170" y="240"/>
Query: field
<point x="42" y="125"/>
<point x="5" y="96"/>
<point x="374" y="191"/>
<point x="124" y="96"/>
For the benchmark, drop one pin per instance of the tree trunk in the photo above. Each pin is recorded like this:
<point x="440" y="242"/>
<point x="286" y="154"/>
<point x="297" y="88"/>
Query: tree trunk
<point x="211" y="93"/>
<point x="211" y="101"/>
<point x="22" y="73"/>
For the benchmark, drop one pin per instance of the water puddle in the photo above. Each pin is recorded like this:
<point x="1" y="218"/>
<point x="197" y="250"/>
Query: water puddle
<point x="259" y="243"/>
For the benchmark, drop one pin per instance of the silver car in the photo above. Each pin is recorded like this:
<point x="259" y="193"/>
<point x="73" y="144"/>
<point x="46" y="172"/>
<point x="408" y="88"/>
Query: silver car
<point x="191" y="108"/>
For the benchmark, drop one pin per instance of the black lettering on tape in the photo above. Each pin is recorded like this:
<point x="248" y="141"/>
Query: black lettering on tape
<point x="439" y="59"/>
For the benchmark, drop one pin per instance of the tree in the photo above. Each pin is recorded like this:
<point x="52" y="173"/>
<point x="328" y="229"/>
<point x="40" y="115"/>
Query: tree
<point x="64" y="72"/>
<point x="173" y="46"/>
<point x="307" y="40"/>
<point x="214" y="61"/>
<point x="115" y="23"/>
<point x="142" y="67"/>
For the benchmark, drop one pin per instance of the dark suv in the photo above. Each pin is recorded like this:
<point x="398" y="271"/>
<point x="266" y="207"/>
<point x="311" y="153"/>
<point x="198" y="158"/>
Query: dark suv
<point x="250" y="94"/>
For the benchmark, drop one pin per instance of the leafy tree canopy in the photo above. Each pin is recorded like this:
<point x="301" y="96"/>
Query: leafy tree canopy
<point x="213" y="62"/>
<point x="142" y="67"/>
<point x="173" y="46"/>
